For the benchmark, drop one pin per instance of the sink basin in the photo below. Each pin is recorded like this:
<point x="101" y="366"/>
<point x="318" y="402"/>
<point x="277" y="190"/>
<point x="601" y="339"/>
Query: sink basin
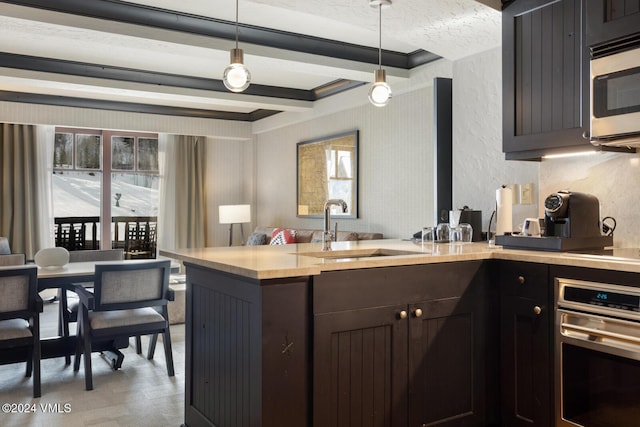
<point x="358" y="253"/>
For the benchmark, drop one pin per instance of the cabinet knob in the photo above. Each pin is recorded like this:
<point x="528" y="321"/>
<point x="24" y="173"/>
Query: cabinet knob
<point x="418" y="312"/>
<point x="521" y="280"/>
<point x="402" y="314"/>
<point x="586" y="135"/>
<point x="537" y="310"/>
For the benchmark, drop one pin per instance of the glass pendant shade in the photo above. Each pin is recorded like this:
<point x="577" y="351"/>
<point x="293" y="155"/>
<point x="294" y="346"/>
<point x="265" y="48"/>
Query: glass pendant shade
<point x="236" y="76"/>
<point x="380" y="92"/>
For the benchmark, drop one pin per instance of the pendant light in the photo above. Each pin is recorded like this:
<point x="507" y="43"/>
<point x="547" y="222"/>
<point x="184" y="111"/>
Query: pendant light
<point x="236" y="76"/>
<point x="380" y="92"/>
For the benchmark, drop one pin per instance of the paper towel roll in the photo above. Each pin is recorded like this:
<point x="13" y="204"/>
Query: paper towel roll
<point x="504" y="204"/>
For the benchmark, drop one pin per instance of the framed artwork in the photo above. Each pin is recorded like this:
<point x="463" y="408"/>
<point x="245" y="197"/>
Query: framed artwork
<point x="327" y="168"/>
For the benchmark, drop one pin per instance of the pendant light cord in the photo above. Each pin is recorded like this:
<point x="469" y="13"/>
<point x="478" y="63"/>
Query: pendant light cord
<point x="236" y="24"/>
<point x="380" y="36"/>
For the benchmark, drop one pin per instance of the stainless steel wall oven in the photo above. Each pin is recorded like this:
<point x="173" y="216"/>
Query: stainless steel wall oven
<point x="597" y="354"/>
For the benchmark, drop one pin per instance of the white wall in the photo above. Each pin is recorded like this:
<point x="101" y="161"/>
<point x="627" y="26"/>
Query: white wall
<point x="396" y="154"/>
<point x="230" y="180"/>
<point x="396" y="183"/>
<point x="479" y="167"/>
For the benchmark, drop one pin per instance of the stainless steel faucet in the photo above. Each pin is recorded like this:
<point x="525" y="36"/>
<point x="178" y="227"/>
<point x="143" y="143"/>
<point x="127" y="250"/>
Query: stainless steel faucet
<point x="327" y="235"/>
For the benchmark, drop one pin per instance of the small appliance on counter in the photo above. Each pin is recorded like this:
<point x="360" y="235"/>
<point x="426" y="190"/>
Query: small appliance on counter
<point x="571" y="222"/>
<point x="468" y="216"/>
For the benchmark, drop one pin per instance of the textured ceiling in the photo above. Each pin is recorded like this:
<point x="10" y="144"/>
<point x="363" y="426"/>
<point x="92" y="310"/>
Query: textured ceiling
<point x="451" y="29"/>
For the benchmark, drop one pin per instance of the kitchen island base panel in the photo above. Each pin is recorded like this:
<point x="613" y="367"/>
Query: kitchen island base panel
<point x="247" y="350"/>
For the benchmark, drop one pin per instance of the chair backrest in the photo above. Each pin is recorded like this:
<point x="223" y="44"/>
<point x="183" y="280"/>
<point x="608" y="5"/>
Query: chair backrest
<point x="132" y="284"/>
<point x="96" y="255"/>
<point x="5" y="249"/>
<point x="13" y="259"/>
<point x="18" y="290"/>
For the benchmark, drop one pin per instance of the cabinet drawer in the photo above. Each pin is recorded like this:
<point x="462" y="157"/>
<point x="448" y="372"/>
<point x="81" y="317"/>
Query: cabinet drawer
<point x="524" y="279"/>
<point x="375" y="287"/>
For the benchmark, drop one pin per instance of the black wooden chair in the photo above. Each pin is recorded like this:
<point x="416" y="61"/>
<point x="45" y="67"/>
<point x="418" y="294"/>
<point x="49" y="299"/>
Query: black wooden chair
<point x="140" y="240"/>
<point x="70" y="236"/>
<point x="20" y="308"/>
<point x="129" y="299"/>
<point x="68" y="307"/>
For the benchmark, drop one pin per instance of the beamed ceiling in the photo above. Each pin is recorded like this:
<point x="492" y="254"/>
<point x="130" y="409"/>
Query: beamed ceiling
<point x="167" y="57"/>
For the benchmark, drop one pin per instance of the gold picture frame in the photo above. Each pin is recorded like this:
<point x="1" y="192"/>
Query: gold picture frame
<point x="327" y="168"/>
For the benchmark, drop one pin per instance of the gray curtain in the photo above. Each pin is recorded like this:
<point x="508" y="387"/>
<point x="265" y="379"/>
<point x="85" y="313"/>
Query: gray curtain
<point x="183" y="209"/>
<point x="19" y="206"/>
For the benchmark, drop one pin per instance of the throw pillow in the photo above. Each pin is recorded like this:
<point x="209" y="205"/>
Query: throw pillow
<point x="283" y="236"/>
<point x="256" y="239"/>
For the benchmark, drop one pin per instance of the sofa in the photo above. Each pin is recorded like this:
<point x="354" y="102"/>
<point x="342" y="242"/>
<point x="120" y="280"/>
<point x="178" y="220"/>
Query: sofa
<point x="305" y="235"/>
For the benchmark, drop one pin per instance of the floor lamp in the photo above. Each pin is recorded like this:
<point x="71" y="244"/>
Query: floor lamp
<point x="234" y="214"/>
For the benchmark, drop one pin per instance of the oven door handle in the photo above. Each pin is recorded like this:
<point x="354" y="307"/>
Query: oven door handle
<point x="599" y="333"/>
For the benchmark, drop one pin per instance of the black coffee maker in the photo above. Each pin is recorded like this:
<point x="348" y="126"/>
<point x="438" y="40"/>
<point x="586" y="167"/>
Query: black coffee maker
<point x="570" y="214"/>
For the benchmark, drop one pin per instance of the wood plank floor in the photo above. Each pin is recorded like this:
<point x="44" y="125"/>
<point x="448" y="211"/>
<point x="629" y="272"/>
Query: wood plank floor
<point x="140" y="394"/>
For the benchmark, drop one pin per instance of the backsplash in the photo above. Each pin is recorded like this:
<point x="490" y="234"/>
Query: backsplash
<point x="613" y="178"/>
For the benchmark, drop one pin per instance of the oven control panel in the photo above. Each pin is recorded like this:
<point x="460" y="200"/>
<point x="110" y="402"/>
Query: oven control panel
<point x="604" y="298"/>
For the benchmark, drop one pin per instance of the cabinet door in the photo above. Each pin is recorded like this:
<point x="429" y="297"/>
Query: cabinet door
<point x="360" y="368"/>
<point x="545" y="64"/>
<point x="525" y="344"/>
<point x="611" y="19"/>
<point x="526" y="362"/>
<point x="446" y="363"/>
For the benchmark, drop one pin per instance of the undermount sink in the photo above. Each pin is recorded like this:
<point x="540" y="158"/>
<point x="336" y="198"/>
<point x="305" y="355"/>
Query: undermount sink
<point x="359" y="253"/>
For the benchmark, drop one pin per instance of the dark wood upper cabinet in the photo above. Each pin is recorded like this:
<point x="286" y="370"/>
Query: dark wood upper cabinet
<point x="611" y="19"/>
<point x="545" y="67"/>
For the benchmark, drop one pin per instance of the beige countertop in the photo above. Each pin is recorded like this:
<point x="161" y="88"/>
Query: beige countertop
<point x="280" y="261"/>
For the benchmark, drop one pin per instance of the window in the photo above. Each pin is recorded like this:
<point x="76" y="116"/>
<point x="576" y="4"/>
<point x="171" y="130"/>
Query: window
<point x="104" y="174"/>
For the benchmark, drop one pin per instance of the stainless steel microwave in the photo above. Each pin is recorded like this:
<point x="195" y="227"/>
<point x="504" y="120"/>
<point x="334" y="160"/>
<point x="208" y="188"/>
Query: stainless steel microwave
<point x="615" y="99"/>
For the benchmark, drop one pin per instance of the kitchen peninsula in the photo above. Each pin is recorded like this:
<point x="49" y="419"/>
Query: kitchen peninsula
<point x="380" y="332"/>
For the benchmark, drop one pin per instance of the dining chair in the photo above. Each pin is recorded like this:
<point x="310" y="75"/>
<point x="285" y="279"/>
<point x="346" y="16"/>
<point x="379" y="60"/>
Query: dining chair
<point x="140" y="240"/>
<point x="20" y="308"/>
<point x="129" y="299"/>
<point x="68" y="307"/>
<point x="5" y="249"/>
<point x="13" y="259"/>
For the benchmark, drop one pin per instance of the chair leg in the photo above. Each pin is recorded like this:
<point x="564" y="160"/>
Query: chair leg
<point x="29" y="369"/>
<point x="63" y="319"/>
<point x="152" y="346"/>
<point x="37" y="355"/>
<point x="138" y="344"/>
<point x="166" y="340"/>
<point x="88" y="374"/>
<point x="76" y="361"/>
<point x="37" y="388"/>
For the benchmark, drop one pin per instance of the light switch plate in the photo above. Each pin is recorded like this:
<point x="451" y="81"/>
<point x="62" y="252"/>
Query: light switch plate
<point x="526" y="193"/>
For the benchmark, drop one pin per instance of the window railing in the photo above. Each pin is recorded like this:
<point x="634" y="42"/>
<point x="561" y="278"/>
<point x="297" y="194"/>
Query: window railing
<point x="136" y="235"/>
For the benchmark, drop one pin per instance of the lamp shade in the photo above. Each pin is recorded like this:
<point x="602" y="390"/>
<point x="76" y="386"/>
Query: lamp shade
<point x="234" y="214"/>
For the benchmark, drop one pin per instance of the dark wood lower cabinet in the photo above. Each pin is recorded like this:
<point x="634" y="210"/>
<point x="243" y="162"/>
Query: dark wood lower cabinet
<point x="526" y="315"/>
<point x="360" y="365"/>
<point x="446" y="363"/>
<point x="418" y="363"/>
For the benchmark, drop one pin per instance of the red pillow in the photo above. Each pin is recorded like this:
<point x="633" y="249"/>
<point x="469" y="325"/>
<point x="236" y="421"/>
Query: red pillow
<point x="283" y="236"/>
